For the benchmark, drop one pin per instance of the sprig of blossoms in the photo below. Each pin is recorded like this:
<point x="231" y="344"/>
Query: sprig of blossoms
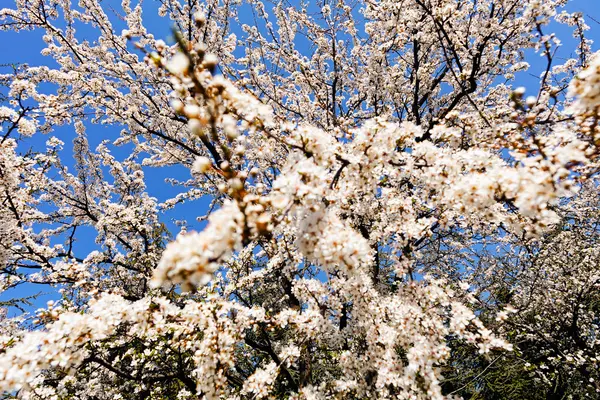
<point x="193" y="257"/>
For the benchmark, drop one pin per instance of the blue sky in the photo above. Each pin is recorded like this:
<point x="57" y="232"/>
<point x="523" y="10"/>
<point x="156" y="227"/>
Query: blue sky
<point x="25" y="46"/>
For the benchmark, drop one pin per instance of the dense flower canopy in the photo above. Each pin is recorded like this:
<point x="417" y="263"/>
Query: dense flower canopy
<point x="391" y="215"/>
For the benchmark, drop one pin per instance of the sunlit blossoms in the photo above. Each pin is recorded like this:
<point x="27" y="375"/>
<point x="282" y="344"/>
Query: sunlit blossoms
<point x="585" y="87"/>
<point x="8" y="183"/>
<point x="300" y="201"/>
<point x="194" y="257"/>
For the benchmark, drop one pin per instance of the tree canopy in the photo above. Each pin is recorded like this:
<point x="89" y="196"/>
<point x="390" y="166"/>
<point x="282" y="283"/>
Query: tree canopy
<point x="391" y="213"/>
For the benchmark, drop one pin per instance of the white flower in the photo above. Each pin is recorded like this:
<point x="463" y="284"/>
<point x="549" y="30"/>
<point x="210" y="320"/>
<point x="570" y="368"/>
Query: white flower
<point x="178" y="64"/>
<point x="201" y="165"/>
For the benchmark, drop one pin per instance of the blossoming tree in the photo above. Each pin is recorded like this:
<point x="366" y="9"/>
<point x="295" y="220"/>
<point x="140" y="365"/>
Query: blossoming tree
<point x="360" y="157"/>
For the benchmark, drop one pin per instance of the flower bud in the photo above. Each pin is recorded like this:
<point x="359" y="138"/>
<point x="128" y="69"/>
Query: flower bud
<point x="178" y="64"/>
<point x="160" y="45"/>
<point x="531" y="101"/>
<point x="191" y="111"/>
<point x="210" y="62"/>
<point x="202" y="165"/>
<point x="177" y="105"/>
<point x="519" y="92"/>
<point x="199" y="18"/>
<point x="195" y="126"/>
